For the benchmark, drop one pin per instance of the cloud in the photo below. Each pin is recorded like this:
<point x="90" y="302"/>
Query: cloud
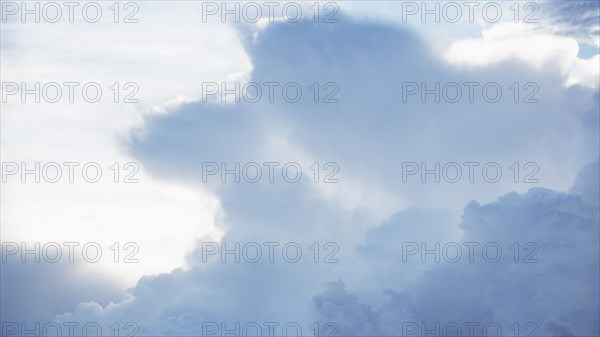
<point x="578" y="19"/>
<point x="539" y="47"/>
<point x="558" y="293"/>
<point x="369" y="134"/>
<point x="370" y="62"/>
<point x="586" y="184"/>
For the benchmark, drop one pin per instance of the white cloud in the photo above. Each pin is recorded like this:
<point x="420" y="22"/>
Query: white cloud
<point x="536" y="46"/>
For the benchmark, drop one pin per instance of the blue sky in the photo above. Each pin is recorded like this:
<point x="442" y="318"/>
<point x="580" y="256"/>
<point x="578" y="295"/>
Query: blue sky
<point x="371" y="131"/>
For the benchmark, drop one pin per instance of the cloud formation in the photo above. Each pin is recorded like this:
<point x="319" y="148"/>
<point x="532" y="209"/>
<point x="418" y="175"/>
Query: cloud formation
<point x="369" y="134"/>
<point x="373" y="130"/>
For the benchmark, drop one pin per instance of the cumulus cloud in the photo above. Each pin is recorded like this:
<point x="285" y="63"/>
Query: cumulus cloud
<point x="553" y="296"/>
<point x="370" y="291"/>
<point x="371" y="63"/>
<point x="541" y="48"/>
<point x="557" y="294"/>
<point x="369" y="134"/>
<point x="586" y="184"/>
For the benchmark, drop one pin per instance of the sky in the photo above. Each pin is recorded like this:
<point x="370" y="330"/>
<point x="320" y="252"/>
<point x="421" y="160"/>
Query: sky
<point x="308" y="168"/>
